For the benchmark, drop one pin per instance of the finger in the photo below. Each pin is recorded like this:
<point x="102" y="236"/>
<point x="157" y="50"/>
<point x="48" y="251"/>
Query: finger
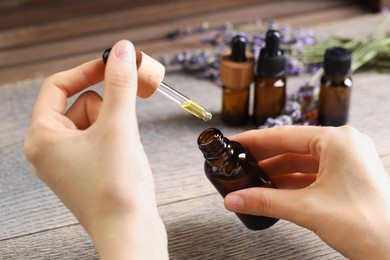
<point x="276" y="203"/>
<point x="290" y="163"/>
<point x="59" y="87"/>
<point x="269" y="142"/>
<point x="85" y="109"/>
<point x="120" y="86"/>
<point x="294" y="180"/>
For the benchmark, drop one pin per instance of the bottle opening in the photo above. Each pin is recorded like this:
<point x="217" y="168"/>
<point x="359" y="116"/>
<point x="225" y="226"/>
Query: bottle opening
<point x="208" y="135"/>
<point x="212" y="143"/>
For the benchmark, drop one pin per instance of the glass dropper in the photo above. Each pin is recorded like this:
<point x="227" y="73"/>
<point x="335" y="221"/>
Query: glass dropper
<point x="170" y="93"/>
<point x="183" y="101"/>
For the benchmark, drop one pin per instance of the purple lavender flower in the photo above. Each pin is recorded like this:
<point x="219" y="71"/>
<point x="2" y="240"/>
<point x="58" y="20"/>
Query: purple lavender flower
<point x="298" y="33"/>
<point x="198" y="58"/>
<point x="206" y="39"/>
<point x="284" y="36"/>
<point x="258" y="40"/>
<point x="174" y="35"/>
<point x="293" y="109"/>
<point x="314" y="67"/>
<point x="179" y="57"/>
<point x="309" y="37"/>
<point x="216" y="38"/>
<point x="203" y="27"/>
<point x="294" y="67"/>
<point x="278" y="121"/>
<point x="243" y="34"/>
<point x="305" y="92"/>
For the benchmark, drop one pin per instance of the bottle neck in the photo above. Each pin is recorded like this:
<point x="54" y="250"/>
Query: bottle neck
<point x="213" y="144"/>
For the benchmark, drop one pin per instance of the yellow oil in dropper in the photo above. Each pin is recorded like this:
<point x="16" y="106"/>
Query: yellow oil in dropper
<point x="186" y="103"/>
<point x="197" y="110"/>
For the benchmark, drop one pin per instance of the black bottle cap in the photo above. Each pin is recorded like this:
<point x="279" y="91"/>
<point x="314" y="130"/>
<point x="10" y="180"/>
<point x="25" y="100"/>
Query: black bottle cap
<point x="337" y="61"/>
<point x="271" y="60"/>
<point x="238" y="49"/>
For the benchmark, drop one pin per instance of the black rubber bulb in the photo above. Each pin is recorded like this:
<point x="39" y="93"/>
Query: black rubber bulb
<point x="105" y="55"/>
<point x="272" y="43"/>
<point x="238" y="49"/>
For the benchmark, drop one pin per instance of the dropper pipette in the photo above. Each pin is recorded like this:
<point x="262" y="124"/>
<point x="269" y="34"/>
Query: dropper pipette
<point x="150" y="75"/>
<point x="186" y="103"/>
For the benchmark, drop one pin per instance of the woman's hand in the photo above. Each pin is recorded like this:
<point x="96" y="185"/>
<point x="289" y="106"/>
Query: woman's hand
<point x="92" y="158"/>
<point x="331" y="181"/>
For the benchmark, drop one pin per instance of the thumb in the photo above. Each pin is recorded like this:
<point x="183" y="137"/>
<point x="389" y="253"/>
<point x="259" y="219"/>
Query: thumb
<point x="120" y="83"/>
<point x="276" y="203"/>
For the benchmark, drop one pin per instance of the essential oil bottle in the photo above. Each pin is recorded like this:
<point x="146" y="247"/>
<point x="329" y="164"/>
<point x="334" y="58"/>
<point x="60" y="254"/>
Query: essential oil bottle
<point x="236" y="72"/>
<point x="229" y="166"/>
<point x="270" y="80"/>
<point x="335" y="88"/>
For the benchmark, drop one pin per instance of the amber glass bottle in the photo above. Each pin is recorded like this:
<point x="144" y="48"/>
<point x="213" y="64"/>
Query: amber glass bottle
<point x="230" y="166"/>
<point x="335" y="88"/>
<point x="236" y="74"/>
<point x="270" y="81"/>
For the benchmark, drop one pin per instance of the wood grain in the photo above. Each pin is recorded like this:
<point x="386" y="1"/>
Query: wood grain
<point x="34" y="224"/>
<point x="16" y="14"/>
<point x="192" y="235"/>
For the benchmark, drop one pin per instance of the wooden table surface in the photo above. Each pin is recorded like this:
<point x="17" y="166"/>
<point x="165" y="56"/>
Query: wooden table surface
<point x="34" y="224"/>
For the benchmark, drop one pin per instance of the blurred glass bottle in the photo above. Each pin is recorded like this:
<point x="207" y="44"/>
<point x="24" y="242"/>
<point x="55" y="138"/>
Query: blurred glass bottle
<point x="270" y="81"/>
<point x="335" y="88"/>
<point x="236" y="74"/>
<point x="229" y="166"/>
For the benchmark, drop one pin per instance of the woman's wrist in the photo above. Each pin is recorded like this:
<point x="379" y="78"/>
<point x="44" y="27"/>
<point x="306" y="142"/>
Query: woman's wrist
<point x="376" y="245"/>
<point x="367" y="237"/>
<point x="139" y="235"/>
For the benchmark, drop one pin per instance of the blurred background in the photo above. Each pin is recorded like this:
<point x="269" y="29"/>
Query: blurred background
<point x="39" y="37"/>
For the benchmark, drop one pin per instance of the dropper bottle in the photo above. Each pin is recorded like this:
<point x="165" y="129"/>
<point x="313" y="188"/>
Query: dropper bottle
<point x="270" y="80"/>
<point x="236" y="74"/>
<point x="229" y="166"/>
<point x="150" y="76"/>
<point x="335" y="87"/>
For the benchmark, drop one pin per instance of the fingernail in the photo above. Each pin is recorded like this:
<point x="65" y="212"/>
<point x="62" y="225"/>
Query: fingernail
<point x="235" y="203"/>
<point x="124" y="51"/>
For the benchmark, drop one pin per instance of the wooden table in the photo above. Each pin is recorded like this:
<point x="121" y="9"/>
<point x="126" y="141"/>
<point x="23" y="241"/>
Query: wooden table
<point x="34" y="224"/>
